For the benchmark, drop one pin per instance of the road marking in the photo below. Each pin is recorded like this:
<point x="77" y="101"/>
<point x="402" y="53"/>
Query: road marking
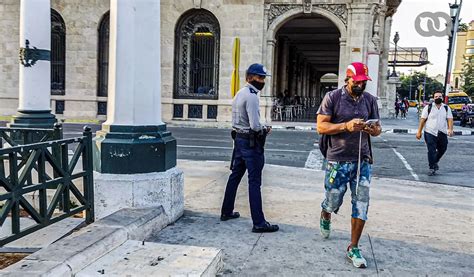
<point x="205" y="147"/>
<point x="230" y="148"/>
<point x="407" y="165"/>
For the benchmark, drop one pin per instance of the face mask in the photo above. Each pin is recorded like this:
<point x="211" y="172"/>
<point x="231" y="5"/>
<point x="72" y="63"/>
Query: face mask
<point x="357" y="90"/>
<point x="438" y="101"/>
<point x="257" y="84"/>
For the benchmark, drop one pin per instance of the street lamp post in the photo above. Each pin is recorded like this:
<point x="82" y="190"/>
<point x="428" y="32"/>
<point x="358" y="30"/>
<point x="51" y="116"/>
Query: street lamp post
<point x="424" y="82"/>
<point x="411" y="78"/>
<point x="396" y="38"/>
<point x="455" y="10"/>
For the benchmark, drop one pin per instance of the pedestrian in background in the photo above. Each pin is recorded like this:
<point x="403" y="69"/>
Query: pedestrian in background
<point x="403" y="109"/>
<point x="407" y="104"/>
<point x="397" y="108"/>
<point x="438" y="119"/>
<point x="342" y="117"/>
<point x="248" y="155"/>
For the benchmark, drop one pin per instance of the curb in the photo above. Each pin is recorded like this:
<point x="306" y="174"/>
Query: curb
<point x="68" y="256"/>
<point x="389" y="131"/>
<point x="414" y="131"/>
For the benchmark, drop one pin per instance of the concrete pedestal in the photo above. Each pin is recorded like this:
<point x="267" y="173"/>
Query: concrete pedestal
<point x="113" y="192"/>
<point x="388" y="107"/>
<point x="33" y="119"/>
<point x="134" y="149"/>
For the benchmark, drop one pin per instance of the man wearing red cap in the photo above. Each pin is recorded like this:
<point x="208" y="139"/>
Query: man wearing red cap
<point x="348" y="117"/>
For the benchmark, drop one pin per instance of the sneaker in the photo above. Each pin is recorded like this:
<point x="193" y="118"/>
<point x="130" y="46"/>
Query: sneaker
<point x="325" y="227"/>
<point x="353" y="254"/>
<point x="432" y="172"/>
<point x="265" y="228"/>
<point x="225" y="217"/>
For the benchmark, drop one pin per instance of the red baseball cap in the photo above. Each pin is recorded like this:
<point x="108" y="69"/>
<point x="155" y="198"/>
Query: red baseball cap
<point x="358" y="72"/>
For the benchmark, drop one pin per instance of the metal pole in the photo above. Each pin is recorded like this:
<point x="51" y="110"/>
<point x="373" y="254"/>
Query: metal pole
<point x="424" y="83"/>
<point x="411" y="77"/>
<point x="358" y="162"/>
<point x="452" y="40"/>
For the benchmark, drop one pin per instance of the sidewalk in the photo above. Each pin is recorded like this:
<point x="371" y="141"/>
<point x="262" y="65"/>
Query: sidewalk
<point x="408" y="125"/>
<point x="415" y="228"/>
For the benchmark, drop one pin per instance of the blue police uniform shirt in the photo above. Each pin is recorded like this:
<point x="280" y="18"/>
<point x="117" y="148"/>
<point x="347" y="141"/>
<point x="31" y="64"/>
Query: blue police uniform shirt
<point x="246" y="109"/>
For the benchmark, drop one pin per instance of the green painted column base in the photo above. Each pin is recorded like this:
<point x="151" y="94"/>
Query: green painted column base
<point x="33" y="119"/>
<point x="120" y="149"/>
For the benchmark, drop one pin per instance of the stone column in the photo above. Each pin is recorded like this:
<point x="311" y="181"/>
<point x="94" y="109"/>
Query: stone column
<point x="135" y="155"/>
<point x="373" y="60"/>
<point x="387" y="109"/>
<point x="299" y="77"/>
<point x="294" y="76"/>
<point x="357" y="39"/>
<point x="318" y="95"/>
<point x="34" y="108"/>
<point x="276" y="70"/>
<point x="343" y="62"/>
<point x="305" y="80"/>
<point x="283" y="85"/>
<point x="266" y="100"/>
<point x="387" y="88"/>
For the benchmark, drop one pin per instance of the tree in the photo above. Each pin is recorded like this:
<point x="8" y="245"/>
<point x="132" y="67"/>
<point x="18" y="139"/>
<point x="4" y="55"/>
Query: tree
<point x="417" y="79"/>
<point x="467" y="76"/>
<point x="463" y="27"/>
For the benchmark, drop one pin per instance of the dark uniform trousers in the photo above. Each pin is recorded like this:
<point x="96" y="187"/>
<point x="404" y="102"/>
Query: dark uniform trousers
<point x="253" y="160"/>
<point x="437" y="146"/>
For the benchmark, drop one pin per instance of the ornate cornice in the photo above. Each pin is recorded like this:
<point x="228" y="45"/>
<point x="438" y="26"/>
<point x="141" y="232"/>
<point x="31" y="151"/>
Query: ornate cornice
<point x="278" y="9"/>
<point x="339" y="10"/>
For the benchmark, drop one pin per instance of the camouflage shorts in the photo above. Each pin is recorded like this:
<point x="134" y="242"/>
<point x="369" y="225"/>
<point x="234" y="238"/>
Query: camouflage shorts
<point x="338" y="175"/>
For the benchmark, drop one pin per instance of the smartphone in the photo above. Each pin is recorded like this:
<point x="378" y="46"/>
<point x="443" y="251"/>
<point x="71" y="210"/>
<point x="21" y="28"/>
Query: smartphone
<point x="371" y="121"/>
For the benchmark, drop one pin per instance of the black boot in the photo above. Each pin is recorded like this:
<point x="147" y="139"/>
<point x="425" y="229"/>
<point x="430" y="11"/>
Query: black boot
<point x="225" y="217"/>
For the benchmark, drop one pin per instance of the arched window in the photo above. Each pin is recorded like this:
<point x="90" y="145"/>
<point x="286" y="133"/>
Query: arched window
<point x="103" y="58"/>
<point x="58" y="54"/>
<point x="196" y="63"/>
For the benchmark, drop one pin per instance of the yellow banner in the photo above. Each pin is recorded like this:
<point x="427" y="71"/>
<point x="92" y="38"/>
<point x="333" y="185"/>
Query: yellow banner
<point x="235" y="79"/>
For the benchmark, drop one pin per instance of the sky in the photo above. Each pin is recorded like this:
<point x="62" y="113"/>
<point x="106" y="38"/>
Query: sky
<point x="404" y="21"/>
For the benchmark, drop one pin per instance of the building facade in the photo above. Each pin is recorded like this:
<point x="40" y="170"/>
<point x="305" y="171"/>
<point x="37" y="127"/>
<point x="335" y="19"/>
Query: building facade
<point x="301" y="42"/>
<point x="464" y="50"/>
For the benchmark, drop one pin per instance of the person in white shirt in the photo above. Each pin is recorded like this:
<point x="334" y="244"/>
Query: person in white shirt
<point x="438" y="119"/>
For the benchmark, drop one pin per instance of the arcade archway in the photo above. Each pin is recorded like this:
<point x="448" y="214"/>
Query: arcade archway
<point x="307" y="48"/>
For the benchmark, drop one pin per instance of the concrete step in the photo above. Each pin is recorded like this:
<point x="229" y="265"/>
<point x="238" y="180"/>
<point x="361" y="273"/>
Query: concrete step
<point x="42" y="237"/>
<point x="137" y="258"/>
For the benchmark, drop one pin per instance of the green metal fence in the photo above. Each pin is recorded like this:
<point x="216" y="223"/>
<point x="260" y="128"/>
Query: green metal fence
<point x="38" y="167"/>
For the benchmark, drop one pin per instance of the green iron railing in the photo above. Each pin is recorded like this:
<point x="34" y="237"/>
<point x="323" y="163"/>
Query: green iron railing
<point x="22" y="136"/>
<point x="37" y="168"/>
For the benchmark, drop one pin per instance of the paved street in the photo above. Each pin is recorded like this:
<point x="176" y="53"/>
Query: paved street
<point x="398" y="156"/>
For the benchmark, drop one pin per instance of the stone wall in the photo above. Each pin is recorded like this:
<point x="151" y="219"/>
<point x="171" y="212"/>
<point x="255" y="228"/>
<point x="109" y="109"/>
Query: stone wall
<point x="9" y="41"/>
<point x="237" y="18"/>
<point x="82" y="19"/>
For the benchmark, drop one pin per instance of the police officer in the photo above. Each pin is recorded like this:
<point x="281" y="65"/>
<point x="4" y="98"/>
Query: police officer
<point x="249" y="139"/>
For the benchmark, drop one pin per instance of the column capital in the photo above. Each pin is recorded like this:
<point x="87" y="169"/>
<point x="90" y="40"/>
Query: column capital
<point x="271" y="42"/>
